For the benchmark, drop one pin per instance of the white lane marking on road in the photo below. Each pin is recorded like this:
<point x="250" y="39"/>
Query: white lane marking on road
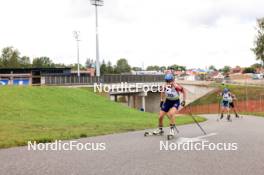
<point x="194" y="139"/>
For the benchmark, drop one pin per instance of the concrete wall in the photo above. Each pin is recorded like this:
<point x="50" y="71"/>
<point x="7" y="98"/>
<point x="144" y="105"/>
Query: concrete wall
<point x="152" y="99"/>
<point x="193" y="93"/>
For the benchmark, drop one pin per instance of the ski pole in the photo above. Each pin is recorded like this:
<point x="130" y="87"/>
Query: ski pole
<point x="176" y="129"/>
<point x="219" y="109"/>
<point x="196" y="120"/>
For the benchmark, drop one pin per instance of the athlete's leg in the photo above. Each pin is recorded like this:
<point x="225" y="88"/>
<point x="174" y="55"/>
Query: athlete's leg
<point x="222" y="112"/>
<point x="223" y="107"/>
<point x="160" y="131"/>
<point x="228" y="113"/>
<point x="171" y="114"/>
<point x="161" y="116"/>
<point x="235" y="110"/>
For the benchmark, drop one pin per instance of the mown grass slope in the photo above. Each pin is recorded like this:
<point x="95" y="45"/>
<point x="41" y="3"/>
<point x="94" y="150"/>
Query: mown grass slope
<point x="44" y="114"/>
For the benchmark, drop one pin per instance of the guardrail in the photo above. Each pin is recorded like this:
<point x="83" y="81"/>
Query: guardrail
<point x="86" y="80"/>
<point x="246" y="82"/>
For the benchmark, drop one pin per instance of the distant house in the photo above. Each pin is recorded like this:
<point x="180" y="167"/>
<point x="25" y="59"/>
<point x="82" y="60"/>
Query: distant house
<point x="235" y="70"/>
<point x="178" y="73"/>
<point x="89" y="72"/>
<point x="260" y="70"/>
<point x="146" y="73"/>
<point x="211" y="74"/>
<point x="218" y="77"/>
<point x="191" y="77"/>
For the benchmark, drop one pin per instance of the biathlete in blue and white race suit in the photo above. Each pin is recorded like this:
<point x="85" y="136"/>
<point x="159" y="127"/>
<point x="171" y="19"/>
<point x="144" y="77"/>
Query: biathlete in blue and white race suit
<point x="225" y="103"/>
<point x="170" y="103"/>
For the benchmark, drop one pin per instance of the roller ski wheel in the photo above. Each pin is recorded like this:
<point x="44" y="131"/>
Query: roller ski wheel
<point x="153" y="134"/>
<point x="170" y="137"/>
<point x="172" y="133"/>
<point x="240" y="117"/>
<point x="146" y="134"/>
<point x="229" y="118"/>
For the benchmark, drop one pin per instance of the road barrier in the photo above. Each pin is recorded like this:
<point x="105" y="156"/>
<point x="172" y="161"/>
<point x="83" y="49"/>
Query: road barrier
<point x="87" y="80"/>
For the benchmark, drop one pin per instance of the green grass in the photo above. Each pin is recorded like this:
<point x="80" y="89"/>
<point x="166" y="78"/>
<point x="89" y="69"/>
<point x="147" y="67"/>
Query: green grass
<point x="45" y="114"/>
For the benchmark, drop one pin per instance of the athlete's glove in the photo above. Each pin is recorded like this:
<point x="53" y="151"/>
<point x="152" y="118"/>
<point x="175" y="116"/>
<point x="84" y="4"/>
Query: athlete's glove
<point x="183" y="103"/>
<point x="161" y="103"/>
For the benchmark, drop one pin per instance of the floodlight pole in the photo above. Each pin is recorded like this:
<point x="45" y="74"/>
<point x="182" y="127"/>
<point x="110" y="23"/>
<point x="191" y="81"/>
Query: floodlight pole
<point x="97" y="3"/>
<point x="77" y="38"/>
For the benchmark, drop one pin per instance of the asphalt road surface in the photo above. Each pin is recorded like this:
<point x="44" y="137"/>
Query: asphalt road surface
<point x="133" y="154"/>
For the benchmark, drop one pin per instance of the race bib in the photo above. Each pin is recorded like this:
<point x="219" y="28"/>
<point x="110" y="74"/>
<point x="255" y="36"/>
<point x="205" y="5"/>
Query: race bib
<point x="226" y="97"/>
<point x="171" y="93"/>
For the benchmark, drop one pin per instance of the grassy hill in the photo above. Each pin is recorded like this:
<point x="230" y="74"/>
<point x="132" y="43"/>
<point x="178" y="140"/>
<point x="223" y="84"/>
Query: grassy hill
<point x="44" y="114"/>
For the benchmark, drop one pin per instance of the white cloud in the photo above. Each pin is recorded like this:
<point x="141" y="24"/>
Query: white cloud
<point x="195" y="33"/>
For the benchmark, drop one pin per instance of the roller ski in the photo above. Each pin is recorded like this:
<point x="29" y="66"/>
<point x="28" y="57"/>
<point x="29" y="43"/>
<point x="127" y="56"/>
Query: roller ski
<point x="172" y="132"/>
<point x="158" y="132"/>
<point x="229" y="118"/>
<point x="221" y="117"/>
<point x="239" y="116"/>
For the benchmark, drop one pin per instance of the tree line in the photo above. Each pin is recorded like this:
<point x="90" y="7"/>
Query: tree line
<point x="11" y="58"/>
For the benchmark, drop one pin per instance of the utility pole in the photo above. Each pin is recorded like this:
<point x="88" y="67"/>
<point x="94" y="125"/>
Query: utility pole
<point x="97" y="3"/>
<point x="76" y="35"/>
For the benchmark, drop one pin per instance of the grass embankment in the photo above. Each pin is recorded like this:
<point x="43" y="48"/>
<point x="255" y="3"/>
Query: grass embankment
<point x="242" y="93"/>
<point x="44" y="114"/>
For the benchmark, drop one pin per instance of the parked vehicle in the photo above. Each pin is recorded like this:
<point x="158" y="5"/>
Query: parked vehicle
<point x="257" y="76"/>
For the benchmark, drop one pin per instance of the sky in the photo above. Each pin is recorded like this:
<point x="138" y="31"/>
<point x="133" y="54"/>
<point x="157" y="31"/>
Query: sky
<point x="193" y="33"/>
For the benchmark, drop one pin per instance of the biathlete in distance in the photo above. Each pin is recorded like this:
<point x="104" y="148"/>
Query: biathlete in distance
<point x="225" y="103"/>
<point x="232" y="104"/>
<point x="170" y="103"/>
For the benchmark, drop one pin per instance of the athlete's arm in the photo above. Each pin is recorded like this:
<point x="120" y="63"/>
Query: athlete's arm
<point x="184" y="94"/>
<point x="180" y="89"/>
<point x="233" y="96"/>
<point x="162" y="95"/>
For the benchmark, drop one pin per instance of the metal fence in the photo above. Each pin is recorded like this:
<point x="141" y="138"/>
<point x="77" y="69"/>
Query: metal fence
<point x="86" y="80"/>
